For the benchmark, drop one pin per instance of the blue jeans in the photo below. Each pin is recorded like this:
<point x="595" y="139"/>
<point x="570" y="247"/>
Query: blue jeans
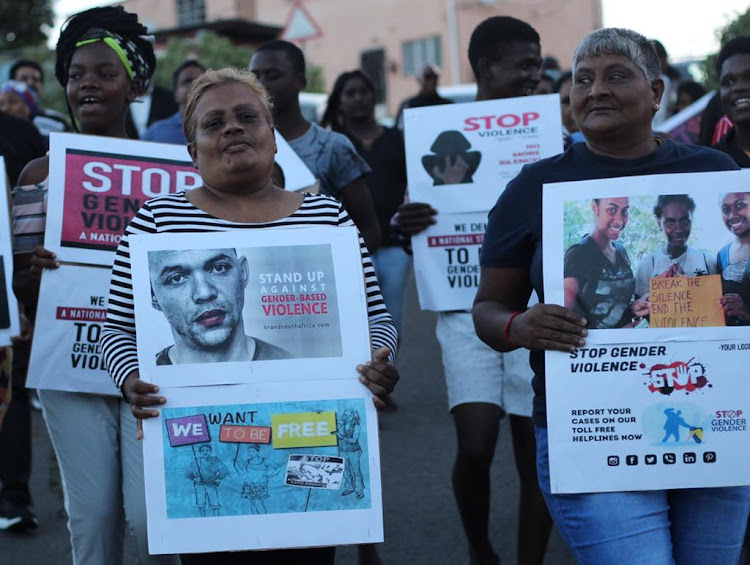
<point x="698" y="526"/>
<point x="392" y="267"/>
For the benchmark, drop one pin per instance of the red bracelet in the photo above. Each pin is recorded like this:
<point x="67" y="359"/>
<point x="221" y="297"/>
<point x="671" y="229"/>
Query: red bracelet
<point x="506" y="331"/>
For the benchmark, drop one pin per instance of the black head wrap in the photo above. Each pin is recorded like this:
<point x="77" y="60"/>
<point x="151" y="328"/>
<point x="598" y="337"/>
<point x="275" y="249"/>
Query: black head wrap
<point x="118" y="29"/>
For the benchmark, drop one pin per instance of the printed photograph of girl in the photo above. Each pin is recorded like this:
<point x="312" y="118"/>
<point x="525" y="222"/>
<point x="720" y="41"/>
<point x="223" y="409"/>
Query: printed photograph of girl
<point x="599" y="282"/>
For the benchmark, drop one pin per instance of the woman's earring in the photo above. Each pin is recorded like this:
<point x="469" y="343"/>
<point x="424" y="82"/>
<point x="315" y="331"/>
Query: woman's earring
<point x="656" y="107"/>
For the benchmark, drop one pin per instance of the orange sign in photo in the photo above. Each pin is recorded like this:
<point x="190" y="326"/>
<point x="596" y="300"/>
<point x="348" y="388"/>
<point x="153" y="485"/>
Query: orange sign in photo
<point x="686" y="302"/>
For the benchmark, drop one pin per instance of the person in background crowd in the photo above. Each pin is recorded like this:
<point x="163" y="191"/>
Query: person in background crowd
<point x="428" y="79"/>
<point x="20" y="143"/>
<point x="733" y="68"/>
<point x="670" y="77"/>
<point x="570" y="129"/>
<point x="351" y="111"/>
<point x="94" y="436"/>
<point x="30" y="72"/>
<point x="688" y="92"/>
<point x="618" y="69"/>
<point x="230" y="136"/>
<point x="170" y="130"/>
<point x="546" y="84"/>
<point x="483" y="385"/>
<point x="155" y="104"/>
<point x="17" y="99"/>
<point x="280" y="67"/>
<point x="551" y="67"/>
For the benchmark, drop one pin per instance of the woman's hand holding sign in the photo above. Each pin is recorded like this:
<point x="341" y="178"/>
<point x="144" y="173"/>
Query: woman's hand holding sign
<point x="42" y="258"/>
<point x="141" y="396"/>
<point x="547" y="326"/>
<point x="379" y="375"/>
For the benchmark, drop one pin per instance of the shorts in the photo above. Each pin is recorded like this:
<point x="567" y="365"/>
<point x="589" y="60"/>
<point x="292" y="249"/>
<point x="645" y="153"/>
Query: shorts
<point x="474" y="372"/>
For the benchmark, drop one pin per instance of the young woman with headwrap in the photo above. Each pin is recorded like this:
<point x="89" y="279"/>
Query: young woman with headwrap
<point x="103" y="62"/>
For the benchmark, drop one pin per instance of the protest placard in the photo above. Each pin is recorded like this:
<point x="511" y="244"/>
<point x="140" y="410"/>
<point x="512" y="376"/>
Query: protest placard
<point x="9" y="320"/>
<point x="298" y="466"/>
<point x="97" y="184"/>
<point x="645" y="416"/>
<point x="681" y="302"/>
<point x="459" y="157"/>
<point x="604" y="246"/>
<point x="297" y="177"/>
<point x="653" y="265"/>
<point x="65" y="352"/>
<point x="446" y="261"/>
<point x="234" y="307"/>
<point x="685" y="125"/>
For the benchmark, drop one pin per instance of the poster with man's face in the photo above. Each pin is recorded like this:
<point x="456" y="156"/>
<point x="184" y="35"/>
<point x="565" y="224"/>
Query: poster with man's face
<point x="459" y="157"/>
<point x="230" y="308"/>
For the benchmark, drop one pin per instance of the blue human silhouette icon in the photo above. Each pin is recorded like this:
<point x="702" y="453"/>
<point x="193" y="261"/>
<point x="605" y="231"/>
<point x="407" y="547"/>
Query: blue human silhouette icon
<point x="673" y="424"/>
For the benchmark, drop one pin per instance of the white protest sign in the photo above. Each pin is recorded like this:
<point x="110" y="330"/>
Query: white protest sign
<point x="645" y="416"/>
<point x="65" y="352"/>
<point x="234" y="307"/>
<point x="657" y="398"/>
<point x="97" y="184"/>
<point x="685" y="125"/>
<point x="297" y="177"/>
<point x="263" y="466"/>
<point x="459" y="157"/>
<point x="446" y="261"/>
<point x="9" y="322"/>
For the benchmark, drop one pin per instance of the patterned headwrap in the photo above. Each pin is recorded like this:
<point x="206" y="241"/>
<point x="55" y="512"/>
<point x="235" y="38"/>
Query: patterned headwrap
<point x="127" y="51"/>
<point x="22" y="90"/>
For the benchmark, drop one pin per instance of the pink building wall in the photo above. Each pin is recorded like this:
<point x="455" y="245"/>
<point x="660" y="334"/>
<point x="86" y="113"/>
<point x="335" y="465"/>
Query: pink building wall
<point x="353" y="26"/>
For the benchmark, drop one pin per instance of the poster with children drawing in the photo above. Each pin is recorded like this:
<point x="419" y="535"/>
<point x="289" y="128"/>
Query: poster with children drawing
<point x="296" y="469"/>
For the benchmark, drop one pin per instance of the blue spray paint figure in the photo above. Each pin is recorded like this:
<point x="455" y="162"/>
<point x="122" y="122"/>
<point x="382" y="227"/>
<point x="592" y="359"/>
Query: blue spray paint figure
<point x="673" y="424"/>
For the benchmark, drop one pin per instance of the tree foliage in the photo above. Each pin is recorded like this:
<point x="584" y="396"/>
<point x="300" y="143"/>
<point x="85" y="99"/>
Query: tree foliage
<point x="24" y="23"/>
<point x="211" y="49"/>
<point x="740" y="25"/>
<point x="215" y="52"/>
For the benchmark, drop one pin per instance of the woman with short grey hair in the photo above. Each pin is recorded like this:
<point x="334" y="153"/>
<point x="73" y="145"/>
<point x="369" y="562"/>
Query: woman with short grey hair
<point x="615" y="93"/>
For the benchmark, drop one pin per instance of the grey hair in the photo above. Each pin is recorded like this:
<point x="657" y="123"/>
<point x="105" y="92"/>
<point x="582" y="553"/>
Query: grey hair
<point x="620" y="41"/>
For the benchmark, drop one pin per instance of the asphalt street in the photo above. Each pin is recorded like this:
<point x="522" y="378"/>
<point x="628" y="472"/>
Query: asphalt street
<point x="417" y="447"/>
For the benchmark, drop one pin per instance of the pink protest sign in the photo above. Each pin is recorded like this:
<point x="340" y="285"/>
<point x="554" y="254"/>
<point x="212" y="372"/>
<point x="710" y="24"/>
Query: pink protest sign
<point x="103" y="192"/>
<point x="98" y="184"/>
<point x="187" y="430"/>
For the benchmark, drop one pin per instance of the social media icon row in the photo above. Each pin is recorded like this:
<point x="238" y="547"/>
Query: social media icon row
<point x="688" y="458"/>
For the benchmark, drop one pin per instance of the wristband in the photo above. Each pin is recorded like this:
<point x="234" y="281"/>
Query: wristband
<point x="506" y="331"/>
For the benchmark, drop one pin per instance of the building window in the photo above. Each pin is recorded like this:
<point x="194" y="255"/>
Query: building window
<point x="419" y="53"/>
<point x="190" y="12"/>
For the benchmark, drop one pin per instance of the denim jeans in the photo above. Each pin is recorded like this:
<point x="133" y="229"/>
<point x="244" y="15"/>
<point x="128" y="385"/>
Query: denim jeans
<point x="699" y="526"/>
<point x="392" y="267"/>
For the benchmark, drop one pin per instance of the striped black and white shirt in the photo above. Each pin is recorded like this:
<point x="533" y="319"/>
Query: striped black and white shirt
<point x="175" y="214"/>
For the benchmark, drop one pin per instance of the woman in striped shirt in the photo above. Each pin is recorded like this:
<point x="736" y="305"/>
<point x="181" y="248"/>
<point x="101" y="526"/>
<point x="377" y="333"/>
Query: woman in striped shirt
<point x="230" y="139"/>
